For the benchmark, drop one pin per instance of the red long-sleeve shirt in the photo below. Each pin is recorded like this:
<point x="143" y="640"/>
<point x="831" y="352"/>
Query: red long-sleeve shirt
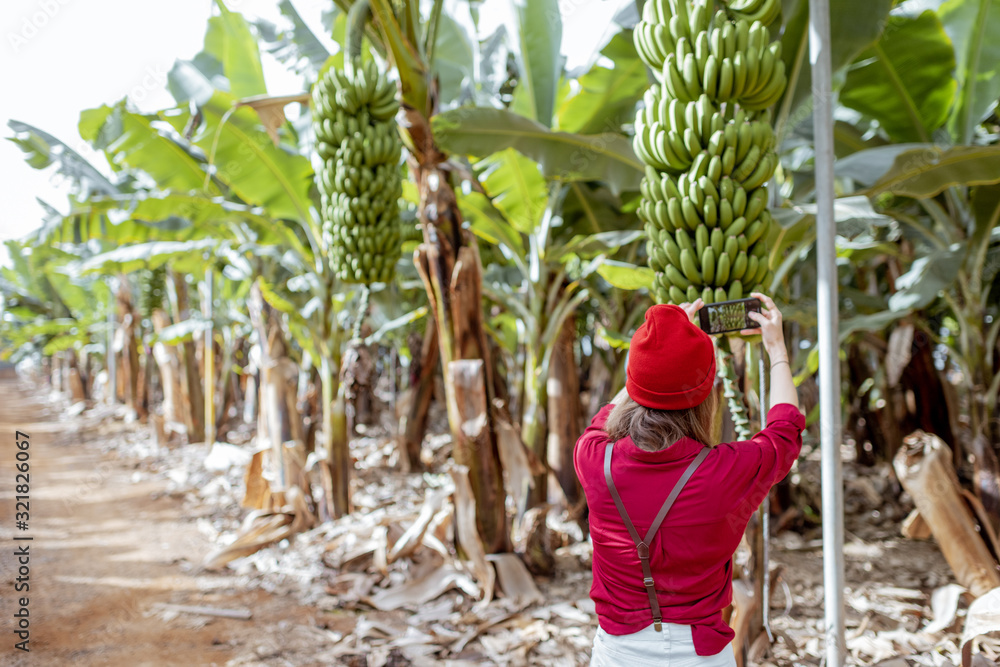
<point x="691" y="554"/>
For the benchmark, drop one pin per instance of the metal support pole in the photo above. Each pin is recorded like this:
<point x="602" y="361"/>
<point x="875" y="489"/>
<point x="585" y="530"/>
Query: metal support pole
<point x="765" y="506"/>
<point x="829" y="360"/>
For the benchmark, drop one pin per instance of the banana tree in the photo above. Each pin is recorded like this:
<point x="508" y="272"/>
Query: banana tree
<point x="47" y="313"/>
<point x="448" y="260"/>
<point x="216" y="176"/>
<point x="917" y="136"/>
<point x="549" y="185"/>
<point x="540" y="279"/>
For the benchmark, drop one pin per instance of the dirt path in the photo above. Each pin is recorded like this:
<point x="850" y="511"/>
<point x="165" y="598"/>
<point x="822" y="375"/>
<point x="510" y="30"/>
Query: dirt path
<point x="107" y="552"/>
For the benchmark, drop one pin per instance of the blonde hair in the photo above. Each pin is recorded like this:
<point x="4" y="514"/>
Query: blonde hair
<point x="652" y="430"/>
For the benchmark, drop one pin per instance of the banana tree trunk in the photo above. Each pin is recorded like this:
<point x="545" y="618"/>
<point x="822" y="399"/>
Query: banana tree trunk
<point x="422" y="388"/>
<point x="336" y="470"/>
<point x="565" y="416"/>
<point x="448" y="262"/>
<point x="278" y="420"/>
<point x="168" y="360"/>
<point x="533" y="419"/>
<point x="129" y="353"/>
<point x="191" y="391"/>
<point x="77" y="392"/>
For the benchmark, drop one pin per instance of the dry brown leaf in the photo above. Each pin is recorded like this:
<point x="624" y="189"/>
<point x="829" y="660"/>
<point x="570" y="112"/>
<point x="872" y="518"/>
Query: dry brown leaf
<point x="261" y="528"/>
<point x="468" y="533"/>
<point x="257" y="488"/>
<point x="350" y="586"/>
<point x="944" y="604"/>
<point x="914" y="527"/>
<point x="514" y="579"/>
<point x="412" y="537"/>
<point x="516" y="464"/>
<point x="419" y="591"/>
<point x="983" y="618"/>
<point x="271" y="110"/>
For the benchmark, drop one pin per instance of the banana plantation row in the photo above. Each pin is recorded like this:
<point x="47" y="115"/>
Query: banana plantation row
<point x="455" y="204"/>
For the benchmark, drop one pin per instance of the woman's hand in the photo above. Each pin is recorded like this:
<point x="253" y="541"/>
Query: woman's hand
<point x="782" y="386"/>
<point x="770" y="328"/>
<point x="692" y="308"/>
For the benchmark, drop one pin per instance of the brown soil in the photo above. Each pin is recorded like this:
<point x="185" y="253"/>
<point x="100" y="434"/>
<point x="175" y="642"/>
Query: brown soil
<point x="106" y="552"/>
<point x="114" y="539"/>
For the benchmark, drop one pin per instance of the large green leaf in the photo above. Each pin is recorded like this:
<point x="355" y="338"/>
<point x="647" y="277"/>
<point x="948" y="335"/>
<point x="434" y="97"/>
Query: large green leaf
<point x="927" y="276"/>
<point x="517" y="188"/>
<point x="487" y="223"/>
<point x="626" y="276"/>
<point x="229" y="39"/>
<point x="605" y="94"/>
<point x="296" y="47"/>
<point x="186" y="256"/>
<point x="974" y="27"/>
<point x="195" y="80"/>
<point x="131" y="141"/>
<point x="590" y="246"/>
<point x="246" y="160"/>
<point x="538" y="59"/>
<point x="870" y="322"/>
<point x="927" y="171"/>
<point x="453" y="60"/>
<point x="906" y="79"/>
<point x="41" y="149"/>
<point x="480" y="132"/>
<point x="867" y="166"/>
<point x="854" y="25"/>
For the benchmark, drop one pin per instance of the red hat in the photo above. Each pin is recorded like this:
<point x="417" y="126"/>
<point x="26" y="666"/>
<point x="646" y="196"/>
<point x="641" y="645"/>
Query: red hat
<point x="671" y="362"/>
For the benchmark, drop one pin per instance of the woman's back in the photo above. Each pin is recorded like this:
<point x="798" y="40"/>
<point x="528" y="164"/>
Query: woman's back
<point x="691" y="554"/>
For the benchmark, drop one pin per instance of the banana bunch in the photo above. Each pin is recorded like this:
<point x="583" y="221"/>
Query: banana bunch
<point x="359" y="181"/>
<point x="152" y="290"/>
<point x="692" y="54"/>
<point x="704" y="133"/>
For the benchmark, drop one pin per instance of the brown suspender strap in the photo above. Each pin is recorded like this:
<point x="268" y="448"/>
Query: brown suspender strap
<point x="642" y="545"/>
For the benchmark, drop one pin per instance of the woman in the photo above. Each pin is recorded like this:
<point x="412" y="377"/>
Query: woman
<point x="667" y="505"/>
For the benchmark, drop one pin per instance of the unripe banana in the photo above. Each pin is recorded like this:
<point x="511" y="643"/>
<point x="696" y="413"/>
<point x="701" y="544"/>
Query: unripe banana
<point x="708" y="265"/>
<point x="722" y="270"/>
<point x="675" y="276"/>
<point x="717" y="241"/>
<point x="701" y="236"/>
<point x="689" y="267"/>
<point x="740" y="267"/>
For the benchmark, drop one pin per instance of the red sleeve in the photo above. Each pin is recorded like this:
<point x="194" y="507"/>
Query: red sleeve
<point x="591" y="435"/>
<point x="600" y="419"/>
<point x="764" y="460"/>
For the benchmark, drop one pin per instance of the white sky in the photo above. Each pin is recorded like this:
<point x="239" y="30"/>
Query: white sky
<point x="59" y="57"/>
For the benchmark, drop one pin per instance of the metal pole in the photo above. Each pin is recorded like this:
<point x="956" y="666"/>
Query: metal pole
<point x="765" y="507"/>
<point x="829" y="360"/>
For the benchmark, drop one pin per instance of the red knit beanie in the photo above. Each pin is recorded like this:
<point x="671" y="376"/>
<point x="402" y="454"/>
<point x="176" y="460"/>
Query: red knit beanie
<point x="671" y="362"/>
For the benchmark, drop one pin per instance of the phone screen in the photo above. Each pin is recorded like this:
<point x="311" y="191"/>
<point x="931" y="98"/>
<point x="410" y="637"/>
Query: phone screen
<point x="726" y="316"/>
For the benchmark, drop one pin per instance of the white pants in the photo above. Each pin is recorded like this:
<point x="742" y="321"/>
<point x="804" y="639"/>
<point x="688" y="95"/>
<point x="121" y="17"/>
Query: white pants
<point x="672" y="647"/>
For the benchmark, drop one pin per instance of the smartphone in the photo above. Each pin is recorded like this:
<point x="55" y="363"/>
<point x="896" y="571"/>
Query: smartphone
<point x="726" y="316"/>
